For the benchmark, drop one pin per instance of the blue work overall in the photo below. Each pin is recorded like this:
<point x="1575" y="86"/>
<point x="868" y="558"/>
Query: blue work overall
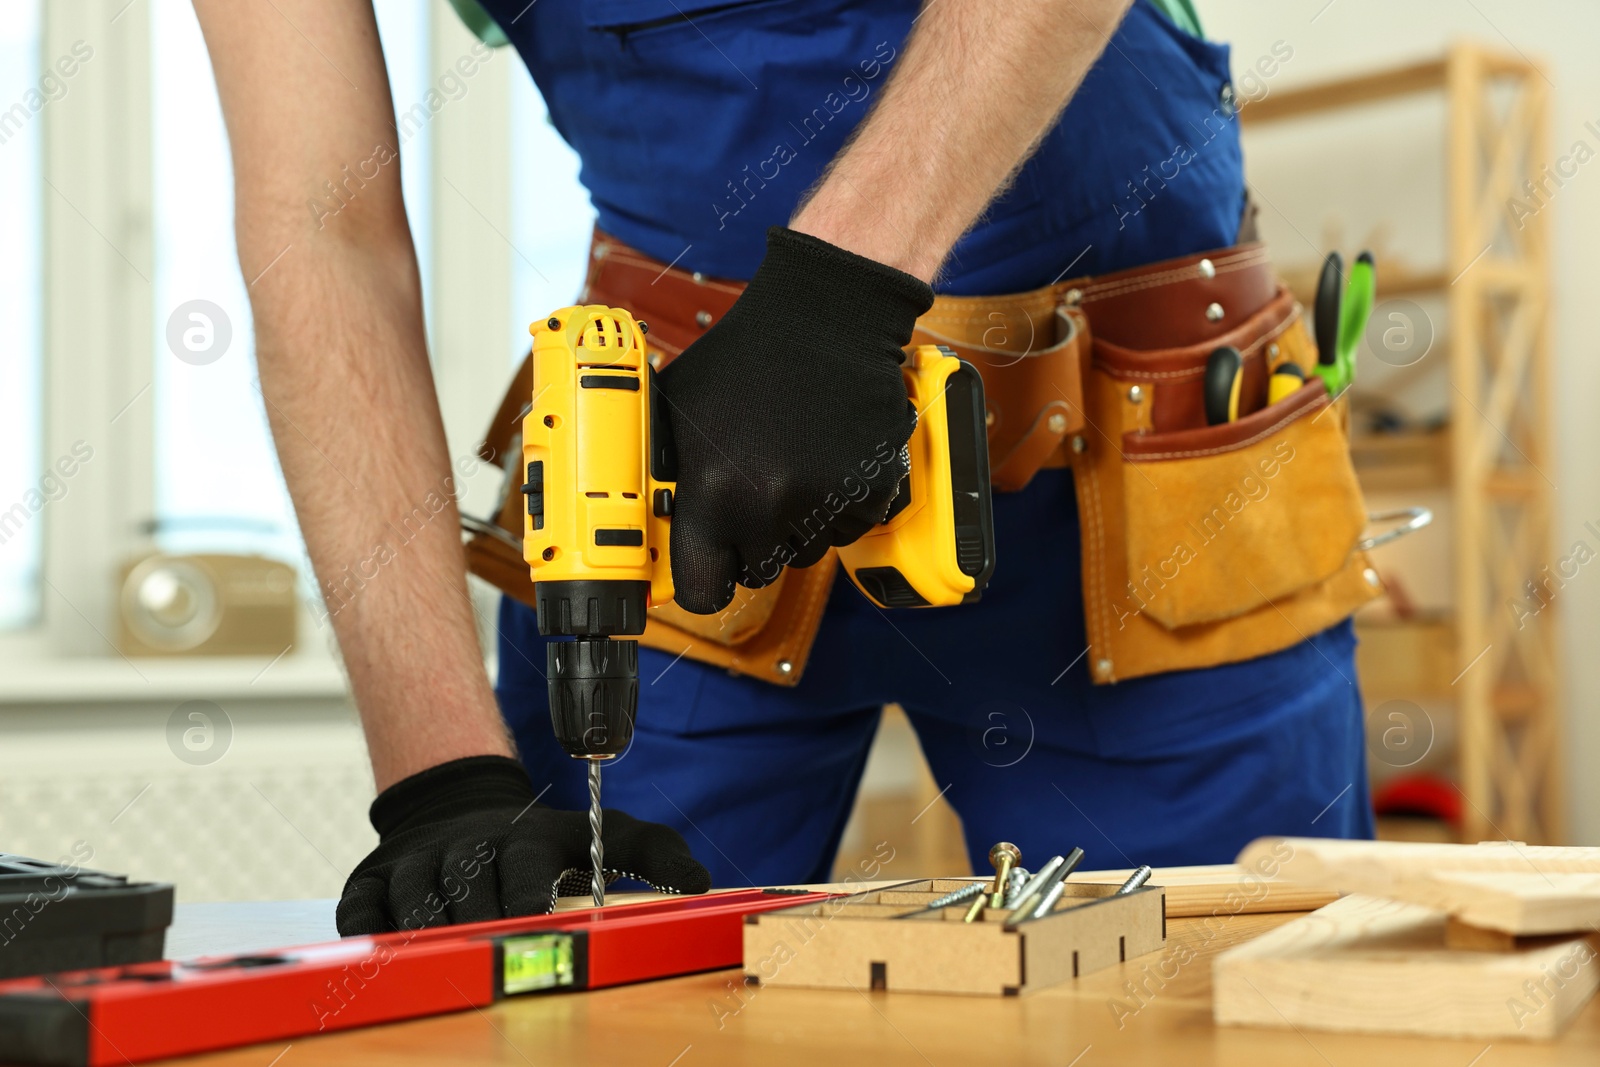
<point x="698" y="133"/>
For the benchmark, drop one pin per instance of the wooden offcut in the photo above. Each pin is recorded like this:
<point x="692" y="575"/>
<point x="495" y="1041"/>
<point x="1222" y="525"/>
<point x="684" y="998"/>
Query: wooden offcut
<point x="1505" y="886"/>
<point x="860" y="943"/>
<point x="1368" y="965"/>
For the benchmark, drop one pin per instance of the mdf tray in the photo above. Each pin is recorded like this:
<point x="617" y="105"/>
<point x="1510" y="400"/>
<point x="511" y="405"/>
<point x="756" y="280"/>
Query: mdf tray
<point x="857" y="942"/>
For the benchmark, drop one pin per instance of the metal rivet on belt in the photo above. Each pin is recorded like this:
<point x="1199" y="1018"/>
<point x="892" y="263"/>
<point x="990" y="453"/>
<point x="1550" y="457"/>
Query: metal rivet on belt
<point x="1102" y="666"/>
<point x="703" y="319"/>
<point x="1135" y="395"/>
<point x="1214" y="312"/>
<point x="601" y="251"/>
<point x="988" y="416"/>
<point x="699" y="279"/>
<point x="785" y="667"/>
<point x="1073" y="297"/>
<point x="1057" y="423"/>
<point x="1207" y="268"/>
<point x="654" y="358"/>
<point x="1272" y="350"/>
<point x="1079" y="444"/>
<point x="1372" y="577"/>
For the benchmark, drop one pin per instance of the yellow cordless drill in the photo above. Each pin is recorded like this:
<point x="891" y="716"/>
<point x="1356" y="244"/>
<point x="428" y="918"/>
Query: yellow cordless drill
<point x="597" y="448"/>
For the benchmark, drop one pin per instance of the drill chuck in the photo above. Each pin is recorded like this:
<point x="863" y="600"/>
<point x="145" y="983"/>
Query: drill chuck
<point x="594" y="694"/>
<point x="592" y="607"/>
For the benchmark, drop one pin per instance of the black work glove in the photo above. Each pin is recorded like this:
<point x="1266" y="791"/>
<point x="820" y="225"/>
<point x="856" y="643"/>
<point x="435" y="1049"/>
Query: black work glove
<point x="789" y="417"/>
<point x="464" y="841"/>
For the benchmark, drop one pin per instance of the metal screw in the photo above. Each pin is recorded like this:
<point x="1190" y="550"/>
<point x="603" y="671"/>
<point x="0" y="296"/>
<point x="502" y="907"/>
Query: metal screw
<point x="955" y="896"/>
<point x="1019" y="878"/>
<point x="784" y="666"/>
<point x="644" y="327"/>
<point x="1057" y="423"/>
<point x="1002" y="857"/>
<point x="1048" y="892"/>
<point x="1034" y="886"/>
<point x="554" y="323"/>
<point x="1214" y="312"/>
<point x="1207" y="268"/>
<point x="702" y="319"/>
<point x="1079" y="444"/>
<point x="1135" y="395"/>
<point x="979" y="903"/>
<point x="1138" y="878"/>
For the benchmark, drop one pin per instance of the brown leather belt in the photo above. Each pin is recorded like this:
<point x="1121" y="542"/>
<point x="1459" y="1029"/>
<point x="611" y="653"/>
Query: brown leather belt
<point x="1033" y="351"/>
<point x="1023" y="344"/>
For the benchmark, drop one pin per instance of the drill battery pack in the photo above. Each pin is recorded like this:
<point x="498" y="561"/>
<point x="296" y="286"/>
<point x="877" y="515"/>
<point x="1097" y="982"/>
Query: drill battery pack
<point x="60" y="917"/>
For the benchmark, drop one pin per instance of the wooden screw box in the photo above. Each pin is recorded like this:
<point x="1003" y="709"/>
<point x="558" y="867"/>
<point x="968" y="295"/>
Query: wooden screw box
<point x="857" y="942"/>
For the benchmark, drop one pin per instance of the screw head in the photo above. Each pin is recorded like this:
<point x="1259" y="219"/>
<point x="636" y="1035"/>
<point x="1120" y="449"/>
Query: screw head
<point x="1214" y="312"/>
<point x="549" y="553"/>
<point x="553" y="322"/>
<point x="1004" y="848"/>
<point x="1135" y="395"/>
<point x="644" y="327"/>
<point x="1057" y="423"/>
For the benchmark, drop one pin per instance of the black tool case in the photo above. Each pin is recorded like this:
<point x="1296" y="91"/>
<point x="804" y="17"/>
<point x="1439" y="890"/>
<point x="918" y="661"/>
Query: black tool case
<point x="61" y="918"/>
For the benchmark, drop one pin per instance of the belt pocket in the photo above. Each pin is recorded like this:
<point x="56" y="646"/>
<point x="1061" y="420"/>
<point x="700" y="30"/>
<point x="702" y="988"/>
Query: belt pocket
<point x="1223" y="519"/>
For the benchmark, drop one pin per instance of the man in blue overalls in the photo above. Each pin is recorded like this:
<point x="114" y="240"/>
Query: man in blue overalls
<point x="900" y="148"/>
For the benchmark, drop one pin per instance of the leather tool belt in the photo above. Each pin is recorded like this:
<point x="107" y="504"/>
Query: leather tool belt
<point x="1201" y="544"/>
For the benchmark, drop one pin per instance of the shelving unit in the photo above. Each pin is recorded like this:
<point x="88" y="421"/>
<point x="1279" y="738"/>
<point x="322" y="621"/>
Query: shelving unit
<point x="1495" y="455"/>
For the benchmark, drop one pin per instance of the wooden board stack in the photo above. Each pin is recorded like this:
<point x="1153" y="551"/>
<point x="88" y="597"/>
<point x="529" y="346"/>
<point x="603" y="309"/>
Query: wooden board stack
<point x="1492" y="940"/>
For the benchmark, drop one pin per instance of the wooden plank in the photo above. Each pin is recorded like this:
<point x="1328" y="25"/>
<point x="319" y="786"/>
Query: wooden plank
<point x="1368" y="965"/>
<point x="1225" y="889"/>
<point x="1514" y="888"/>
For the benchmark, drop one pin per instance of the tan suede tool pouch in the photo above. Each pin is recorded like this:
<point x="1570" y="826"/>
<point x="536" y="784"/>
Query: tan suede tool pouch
<point x="1210" y="544"/>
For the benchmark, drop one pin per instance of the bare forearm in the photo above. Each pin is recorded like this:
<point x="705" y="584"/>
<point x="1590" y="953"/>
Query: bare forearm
<point x="350" y="398"/>
<point x="981" y="81"/>
<point x="344" y="369"/>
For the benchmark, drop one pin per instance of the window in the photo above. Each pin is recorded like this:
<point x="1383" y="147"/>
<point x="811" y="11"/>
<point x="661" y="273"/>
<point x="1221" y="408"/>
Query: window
<point x="551" y="218"/>
<point x="218" y="486"/>
<point x="24" y="92"/>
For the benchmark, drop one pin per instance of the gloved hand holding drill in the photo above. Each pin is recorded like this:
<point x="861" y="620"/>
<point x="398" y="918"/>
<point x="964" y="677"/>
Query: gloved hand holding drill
<point x="789" y="418"/>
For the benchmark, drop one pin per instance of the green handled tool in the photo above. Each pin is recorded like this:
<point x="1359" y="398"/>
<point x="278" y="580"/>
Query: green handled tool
<point x="1341" y="316"/>
<point x="1330" y="292"/>
<point x="1359" y="291"/>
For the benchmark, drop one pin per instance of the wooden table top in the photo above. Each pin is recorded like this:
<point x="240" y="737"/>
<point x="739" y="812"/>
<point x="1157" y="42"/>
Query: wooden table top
<point x="1152" y="1010"/>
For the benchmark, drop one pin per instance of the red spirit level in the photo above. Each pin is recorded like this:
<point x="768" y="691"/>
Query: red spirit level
<point x="146" y="1011"/>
